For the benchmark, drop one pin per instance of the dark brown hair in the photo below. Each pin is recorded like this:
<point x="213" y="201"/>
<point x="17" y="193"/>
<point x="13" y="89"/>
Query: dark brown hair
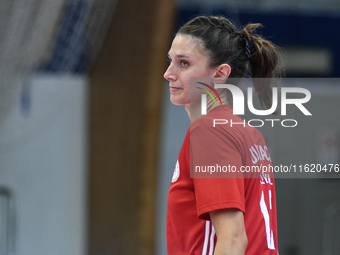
<point x="247" y="53"/>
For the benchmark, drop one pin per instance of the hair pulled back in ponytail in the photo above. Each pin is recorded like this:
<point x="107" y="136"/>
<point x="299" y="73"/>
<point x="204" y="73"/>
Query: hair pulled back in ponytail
<point x="246" y="52"/>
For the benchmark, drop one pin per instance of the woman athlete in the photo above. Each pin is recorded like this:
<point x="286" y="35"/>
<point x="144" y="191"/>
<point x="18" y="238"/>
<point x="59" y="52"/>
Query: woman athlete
<point x="228" y="214"/>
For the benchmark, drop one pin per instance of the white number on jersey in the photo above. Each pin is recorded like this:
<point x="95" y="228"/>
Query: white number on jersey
<point x="265" y="213"/>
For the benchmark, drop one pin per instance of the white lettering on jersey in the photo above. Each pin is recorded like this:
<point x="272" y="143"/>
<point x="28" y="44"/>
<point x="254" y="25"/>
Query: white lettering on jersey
<point x="259" y="153"/>
<point x="265" y="179"/>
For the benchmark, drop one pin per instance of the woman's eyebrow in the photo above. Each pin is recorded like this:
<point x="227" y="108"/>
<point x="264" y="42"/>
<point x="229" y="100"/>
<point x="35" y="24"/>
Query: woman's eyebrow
<point x="180" y="56"/>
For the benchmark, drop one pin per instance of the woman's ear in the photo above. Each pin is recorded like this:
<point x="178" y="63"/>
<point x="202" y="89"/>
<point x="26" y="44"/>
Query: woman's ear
<point x="222" y="73"/>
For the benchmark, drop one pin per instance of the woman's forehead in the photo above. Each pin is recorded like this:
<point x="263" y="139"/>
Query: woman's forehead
<point x="185" y="45"/>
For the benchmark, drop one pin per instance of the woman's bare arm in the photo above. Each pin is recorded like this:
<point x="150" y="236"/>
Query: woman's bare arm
<point x="230" y="231"/>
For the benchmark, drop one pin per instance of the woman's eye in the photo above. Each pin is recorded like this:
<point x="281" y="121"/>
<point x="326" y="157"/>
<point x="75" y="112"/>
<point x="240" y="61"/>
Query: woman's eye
<point x="184" y="63"/>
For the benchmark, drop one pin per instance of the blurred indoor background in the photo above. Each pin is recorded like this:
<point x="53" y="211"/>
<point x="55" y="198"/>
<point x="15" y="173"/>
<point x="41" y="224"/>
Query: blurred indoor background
<point x="89" y="139"/>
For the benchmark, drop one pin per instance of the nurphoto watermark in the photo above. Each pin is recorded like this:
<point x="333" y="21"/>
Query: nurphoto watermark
<point x="209" y="92"/>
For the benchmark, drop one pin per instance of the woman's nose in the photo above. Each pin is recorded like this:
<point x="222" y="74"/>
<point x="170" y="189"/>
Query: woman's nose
<point x="169" y="74"/>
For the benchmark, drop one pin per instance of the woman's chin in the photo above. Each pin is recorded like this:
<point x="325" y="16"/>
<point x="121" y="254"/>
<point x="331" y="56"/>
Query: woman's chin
<point x="176" y="101"/>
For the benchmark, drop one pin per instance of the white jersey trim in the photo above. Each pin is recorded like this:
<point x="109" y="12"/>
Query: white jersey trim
<point x="212" y="240"/>
<point x="209" y="239"/>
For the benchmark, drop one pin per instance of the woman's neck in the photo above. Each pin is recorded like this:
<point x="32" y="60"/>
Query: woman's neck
<point x="194" y="111"/>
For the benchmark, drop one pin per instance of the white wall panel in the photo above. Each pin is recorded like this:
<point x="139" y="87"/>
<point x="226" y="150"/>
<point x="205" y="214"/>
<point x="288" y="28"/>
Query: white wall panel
<point x="43" y="164"/>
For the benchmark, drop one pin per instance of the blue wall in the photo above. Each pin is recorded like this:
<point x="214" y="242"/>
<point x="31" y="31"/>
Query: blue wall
<point x="285" y="29"/>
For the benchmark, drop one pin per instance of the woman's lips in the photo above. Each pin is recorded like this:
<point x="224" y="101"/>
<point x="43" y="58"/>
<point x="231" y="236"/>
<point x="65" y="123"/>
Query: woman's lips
<point x="173" y="89"/>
